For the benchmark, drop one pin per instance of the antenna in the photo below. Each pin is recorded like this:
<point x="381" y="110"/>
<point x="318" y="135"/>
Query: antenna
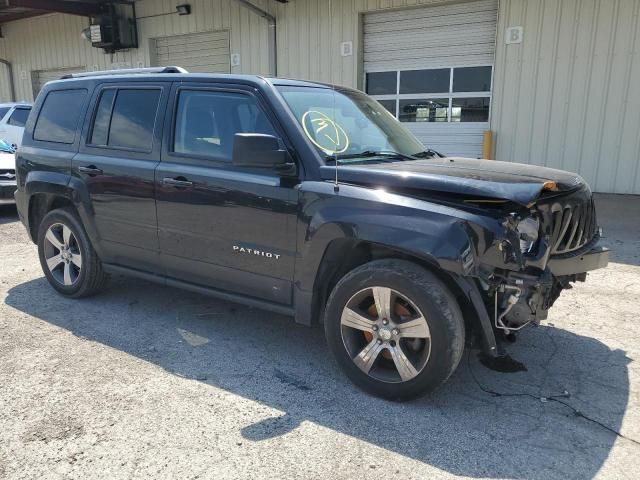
<point x="336" y="186"/>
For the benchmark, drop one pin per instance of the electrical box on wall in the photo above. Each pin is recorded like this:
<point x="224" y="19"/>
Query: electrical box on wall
<point x="116" y="29"/>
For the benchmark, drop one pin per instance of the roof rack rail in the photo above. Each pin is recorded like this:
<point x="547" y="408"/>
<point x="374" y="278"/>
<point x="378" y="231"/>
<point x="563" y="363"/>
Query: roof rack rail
<point x="125" y="71"/>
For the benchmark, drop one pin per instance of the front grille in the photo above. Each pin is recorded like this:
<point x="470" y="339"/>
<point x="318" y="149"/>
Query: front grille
<point x="573" y="226"/>
<point x="6" y="174"/>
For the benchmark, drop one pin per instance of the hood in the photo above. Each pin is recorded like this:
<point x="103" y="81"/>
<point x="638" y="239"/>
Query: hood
<point x="516" y="182"/>
<point x="7" y="161"/>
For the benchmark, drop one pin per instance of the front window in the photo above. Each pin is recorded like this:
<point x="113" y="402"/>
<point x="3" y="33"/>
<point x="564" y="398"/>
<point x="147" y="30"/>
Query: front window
<point x="346" y="123"/>
<point x="207" y="122"/>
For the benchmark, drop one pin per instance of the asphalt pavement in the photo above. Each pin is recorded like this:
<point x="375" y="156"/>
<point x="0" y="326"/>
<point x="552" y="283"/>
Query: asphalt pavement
<point x="146" y="381"/>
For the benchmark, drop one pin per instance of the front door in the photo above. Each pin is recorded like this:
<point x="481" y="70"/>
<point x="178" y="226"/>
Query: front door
<point x="116" y="162"/>
<point x="222" y="226"/>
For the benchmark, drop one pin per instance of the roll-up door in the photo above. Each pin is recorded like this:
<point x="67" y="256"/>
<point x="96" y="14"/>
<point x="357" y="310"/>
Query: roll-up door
<point x="206" y="52"/>
<point x="432" y="67"/>
<point x="40" y="77"/>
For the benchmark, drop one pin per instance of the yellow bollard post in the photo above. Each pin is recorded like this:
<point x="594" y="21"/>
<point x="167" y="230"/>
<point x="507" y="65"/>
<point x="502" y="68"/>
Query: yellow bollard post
<point x="487" y="145"/>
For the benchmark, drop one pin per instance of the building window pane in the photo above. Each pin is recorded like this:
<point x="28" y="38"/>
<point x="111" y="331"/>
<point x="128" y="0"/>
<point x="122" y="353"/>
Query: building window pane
<point x="424" y="110"/>
<point x="425" y="81"/>
<point x="470" y="109"/>
<point x="382" y="83"/>
<point x="472" y="79"/>
<point x="133" y="119"/>
<point x="59" y="116"/>
<point x="389" y="105"/>
<point x="100" y="132"/>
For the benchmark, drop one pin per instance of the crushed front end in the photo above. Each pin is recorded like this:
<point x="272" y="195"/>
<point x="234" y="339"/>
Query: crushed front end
<point x="548" y="245"/>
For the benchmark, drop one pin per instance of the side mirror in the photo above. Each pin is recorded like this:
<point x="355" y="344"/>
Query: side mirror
<point x="260" y="151"/>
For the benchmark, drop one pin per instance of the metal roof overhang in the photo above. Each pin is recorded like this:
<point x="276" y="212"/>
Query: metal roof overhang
<point x="16" y="9"/>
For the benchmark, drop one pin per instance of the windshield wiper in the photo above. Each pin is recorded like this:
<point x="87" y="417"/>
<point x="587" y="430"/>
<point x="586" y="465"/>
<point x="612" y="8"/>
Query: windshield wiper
<point x="428" y="153"/>
<point x="371" y="154"/>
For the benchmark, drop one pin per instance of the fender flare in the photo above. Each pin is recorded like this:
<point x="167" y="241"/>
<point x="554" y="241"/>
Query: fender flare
<point x="63" y="185"/>
<point x="471" y="291"/>
<point x="447" y="249"/>
<point x="51" y="184"/>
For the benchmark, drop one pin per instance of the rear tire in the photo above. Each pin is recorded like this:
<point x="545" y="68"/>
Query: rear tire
<point x="67" y="258"/>
<point x="395" y="329"/>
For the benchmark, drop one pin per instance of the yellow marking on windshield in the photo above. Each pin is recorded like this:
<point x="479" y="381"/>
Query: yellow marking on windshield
<point x="314" y="122"/>
<point x="323" y="124"/>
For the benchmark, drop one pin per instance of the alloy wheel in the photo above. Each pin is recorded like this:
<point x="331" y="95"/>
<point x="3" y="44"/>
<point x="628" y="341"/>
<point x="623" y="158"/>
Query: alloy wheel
<point x="385" y="334"/>
<point x="62" y="254"/>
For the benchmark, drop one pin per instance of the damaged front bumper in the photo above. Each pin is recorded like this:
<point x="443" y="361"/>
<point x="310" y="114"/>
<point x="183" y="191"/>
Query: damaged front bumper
<point x="524" y="297"/>
<point x="595" y="258"/>
<point x="540" y="251"/>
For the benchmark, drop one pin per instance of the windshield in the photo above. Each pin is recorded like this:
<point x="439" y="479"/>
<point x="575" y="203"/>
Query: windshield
<point x="348" y="124"/>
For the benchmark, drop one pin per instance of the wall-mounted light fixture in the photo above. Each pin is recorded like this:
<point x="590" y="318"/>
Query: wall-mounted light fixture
<point x="184" y="9"/>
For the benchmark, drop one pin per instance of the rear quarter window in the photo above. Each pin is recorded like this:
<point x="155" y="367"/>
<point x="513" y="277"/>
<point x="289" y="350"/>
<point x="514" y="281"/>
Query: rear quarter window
<point x="59" y="116"/>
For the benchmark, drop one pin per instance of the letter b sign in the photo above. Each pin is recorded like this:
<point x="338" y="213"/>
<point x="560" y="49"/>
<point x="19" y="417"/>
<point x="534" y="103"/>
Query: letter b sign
<point x="514" y="35"/>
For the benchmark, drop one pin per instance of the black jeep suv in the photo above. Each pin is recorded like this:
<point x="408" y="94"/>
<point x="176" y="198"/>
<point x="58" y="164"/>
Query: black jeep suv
<point x="305" y="199"/>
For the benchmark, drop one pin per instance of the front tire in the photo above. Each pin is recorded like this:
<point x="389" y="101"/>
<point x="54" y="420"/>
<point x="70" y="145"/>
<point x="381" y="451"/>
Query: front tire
<point x="67" y="258"/>
<point x="395" y="329"/>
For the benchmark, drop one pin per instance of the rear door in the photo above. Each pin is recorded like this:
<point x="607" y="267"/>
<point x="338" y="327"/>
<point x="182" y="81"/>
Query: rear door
<point x="222" y="226"/>
<point x="119" y="151"/>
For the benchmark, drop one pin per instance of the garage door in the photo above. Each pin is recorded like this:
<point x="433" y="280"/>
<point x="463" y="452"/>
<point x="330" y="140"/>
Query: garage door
<point x="40" y="77"/>
<point x="197" y="52"/>
<point x="432" y="67"/>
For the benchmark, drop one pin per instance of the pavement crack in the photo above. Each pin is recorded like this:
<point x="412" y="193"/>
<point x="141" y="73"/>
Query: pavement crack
<point x="544" y="399"/>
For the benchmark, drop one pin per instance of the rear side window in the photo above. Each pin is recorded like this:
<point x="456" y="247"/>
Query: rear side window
<point x="59" y="116"/>
<point x="100" y="131"/>
<point x="19" y="117"/>
<point x="3" y="111"/>
<point x="125" y="118"/>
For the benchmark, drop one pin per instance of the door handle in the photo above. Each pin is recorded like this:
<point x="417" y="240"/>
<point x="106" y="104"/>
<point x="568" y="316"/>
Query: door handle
<point x="91" y="170"/>
<point x="177" y="182"/>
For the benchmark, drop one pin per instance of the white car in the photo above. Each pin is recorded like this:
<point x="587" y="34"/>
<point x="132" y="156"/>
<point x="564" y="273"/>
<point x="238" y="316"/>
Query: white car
<point x="13" y="116"/>
<point x="7" y="177"/>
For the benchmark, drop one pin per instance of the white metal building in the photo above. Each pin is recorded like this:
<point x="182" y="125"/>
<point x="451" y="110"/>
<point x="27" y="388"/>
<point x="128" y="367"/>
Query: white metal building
<point x="556" y="81"/>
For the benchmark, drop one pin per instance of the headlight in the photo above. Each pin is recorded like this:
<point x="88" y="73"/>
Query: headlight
<point x="528" y="233"/>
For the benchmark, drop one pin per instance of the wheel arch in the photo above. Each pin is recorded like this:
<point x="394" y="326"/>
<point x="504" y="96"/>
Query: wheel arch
<point x="47" y="191"/>
<point x="342" y="255"/>
<point x="42" y="203"/>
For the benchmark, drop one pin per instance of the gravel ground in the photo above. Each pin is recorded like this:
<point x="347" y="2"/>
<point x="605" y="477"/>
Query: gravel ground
<point x="147" y="381"/>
